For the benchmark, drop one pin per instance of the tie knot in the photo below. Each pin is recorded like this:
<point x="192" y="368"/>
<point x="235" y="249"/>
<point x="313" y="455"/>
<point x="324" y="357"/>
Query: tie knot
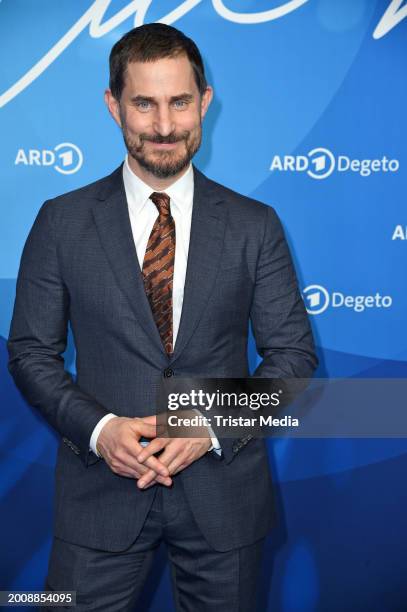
<point x="162" y="201"/>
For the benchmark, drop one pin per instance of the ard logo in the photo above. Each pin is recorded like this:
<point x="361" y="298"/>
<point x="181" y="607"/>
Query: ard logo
<point x="400" y="232"/>
<point x="65" y="158"/>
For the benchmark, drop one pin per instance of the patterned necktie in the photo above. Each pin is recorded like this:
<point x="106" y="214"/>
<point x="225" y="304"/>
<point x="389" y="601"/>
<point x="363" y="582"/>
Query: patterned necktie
<point x="158" y="268"/>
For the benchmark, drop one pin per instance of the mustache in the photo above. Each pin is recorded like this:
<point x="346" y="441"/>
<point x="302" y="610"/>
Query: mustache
<point x="170" y="139"/>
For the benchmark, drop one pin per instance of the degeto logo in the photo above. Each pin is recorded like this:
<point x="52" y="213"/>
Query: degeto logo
<point x="318" y="299"/>
<point x="66" y="158"/>
<point x="320" y="163"/>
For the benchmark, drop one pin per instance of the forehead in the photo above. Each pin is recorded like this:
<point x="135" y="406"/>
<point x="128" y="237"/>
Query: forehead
<point x="167" y="75"/>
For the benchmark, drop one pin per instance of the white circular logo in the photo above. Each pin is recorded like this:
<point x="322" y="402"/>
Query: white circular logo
<point x="69" y="158"/>
<point x="323" y="162"/>
<point x="316" y="299"/>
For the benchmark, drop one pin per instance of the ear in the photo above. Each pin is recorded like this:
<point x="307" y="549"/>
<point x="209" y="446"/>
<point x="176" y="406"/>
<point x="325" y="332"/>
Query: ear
<point x="206" y="100"/>
<point x="113" y="106"/>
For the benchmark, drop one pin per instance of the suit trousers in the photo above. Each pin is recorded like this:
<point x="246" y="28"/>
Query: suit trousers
<point x="203" y="579"/>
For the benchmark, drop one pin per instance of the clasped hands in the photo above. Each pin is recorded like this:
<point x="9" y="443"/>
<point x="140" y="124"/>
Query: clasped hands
<point x="119" y="445"/>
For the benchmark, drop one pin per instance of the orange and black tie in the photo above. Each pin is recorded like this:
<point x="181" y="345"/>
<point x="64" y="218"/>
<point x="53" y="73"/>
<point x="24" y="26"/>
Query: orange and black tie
<point x="158" y="268"/>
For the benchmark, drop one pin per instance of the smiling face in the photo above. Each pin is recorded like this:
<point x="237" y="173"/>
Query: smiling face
<point x="160" y="113"/>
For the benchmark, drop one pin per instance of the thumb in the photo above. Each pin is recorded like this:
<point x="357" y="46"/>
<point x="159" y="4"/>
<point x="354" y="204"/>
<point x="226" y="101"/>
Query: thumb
<point x="157" y="420"/>
<point x="152" y="419"/>
<point x="143" y="428"/>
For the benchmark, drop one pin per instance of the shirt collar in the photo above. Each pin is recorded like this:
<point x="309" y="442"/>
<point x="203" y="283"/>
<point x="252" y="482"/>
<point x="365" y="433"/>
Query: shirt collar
<point x="138" y="192"/>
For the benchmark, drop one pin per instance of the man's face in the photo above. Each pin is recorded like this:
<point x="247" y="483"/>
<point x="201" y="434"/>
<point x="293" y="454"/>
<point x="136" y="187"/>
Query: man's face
<point x="160" y="113"/>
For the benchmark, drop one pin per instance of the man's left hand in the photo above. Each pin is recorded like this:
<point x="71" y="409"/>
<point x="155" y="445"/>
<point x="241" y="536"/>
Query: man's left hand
<point x="177" y="453"/>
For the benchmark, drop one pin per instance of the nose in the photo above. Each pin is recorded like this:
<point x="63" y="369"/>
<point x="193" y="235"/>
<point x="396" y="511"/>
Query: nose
<point x="163" y="121"/>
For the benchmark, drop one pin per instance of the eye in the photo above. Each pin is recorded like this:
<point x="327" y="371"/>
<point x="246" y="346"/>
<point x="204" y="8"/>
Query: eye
<point x="180" y="104"/>
<point x="143" y="105"/>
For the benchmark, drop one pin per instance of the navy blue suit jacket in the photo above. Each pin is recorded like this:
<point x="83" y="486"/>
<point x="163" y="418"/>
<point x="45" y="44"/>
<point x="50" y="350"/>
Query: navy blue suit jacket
<point x="79" y="265"/>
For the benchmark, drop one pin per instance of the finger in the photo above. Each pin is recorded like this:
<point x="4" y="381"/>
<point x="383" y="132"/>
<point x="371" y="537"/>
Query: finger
<point x="134" y="449"/>
<point x="126" y="460"/>
<point x="156" y="466"/>
<point x="149" y="430"/>
<point x="178" y="465"/>
<point x="173" y="450"/>
<point x="123" y="470"/>
<point x="164" y="481"/>
<point x="146" y="479"/>
<point x="151" y="419"/>
<point x="174" y="469"/>
<point x="148" y="426"/>
<point x="153" y="447"/>
<point x="167" y="482"/>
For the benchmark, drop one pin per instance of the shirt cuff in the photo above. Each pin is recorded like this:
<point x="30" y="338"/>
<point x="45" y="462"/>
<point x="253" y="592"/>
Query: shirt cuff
<point x="215" y="446"/>
<point x="97" y="430"/>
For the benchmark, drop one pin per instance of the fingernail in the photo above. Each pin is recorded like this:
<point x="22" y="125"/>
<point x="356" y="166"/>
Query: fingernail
<point x="141" y="484"/>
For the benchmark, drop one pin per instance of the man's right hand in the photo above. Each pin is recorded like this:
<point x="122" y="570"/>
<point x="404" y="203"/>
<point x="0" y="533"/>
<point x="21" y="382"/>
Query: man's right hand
<point x="118" y="443"/>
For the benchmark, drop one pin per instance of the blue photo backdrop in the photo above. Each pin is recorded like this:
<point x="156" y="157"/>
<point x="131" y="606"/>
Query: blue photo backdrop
<point x="309" y="117"/>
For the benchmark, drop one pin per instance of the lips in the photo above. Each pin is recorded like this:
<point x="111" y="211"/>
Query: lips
<point x="164" y="145"/>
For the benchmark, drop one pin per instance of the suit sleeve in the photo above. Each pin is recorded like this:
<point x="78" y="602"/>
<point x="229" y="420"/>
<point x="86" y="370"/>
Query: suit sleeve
<point x="279" y="320"/>
<point x="280" y="326"/>
<point x="38" y="337"/>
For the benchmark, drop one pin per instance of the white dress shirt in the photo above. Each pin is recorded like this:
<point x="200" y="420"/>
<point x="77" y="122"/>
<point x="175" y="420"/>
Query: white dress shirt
<point x="143" y="213"/>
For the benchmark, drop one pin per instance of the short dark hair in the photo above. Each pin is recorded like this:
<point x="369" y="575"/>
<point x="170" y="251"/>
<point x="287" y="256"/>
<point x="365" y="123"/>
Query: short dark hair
<point x="148" y="43"/>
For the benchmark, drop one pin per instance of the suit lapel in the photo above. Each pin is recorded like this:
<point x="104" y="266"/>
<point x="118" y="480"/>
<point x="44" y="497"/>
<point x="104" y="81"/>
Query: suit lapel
<point x="114" y="228"/>
<point x="205" y="247"/>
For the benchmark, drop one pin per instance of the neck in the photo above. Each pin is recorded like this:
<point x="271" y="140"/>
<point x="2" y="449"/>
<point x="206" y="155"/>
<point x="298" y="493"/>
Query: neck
<point x="156" y="183"/>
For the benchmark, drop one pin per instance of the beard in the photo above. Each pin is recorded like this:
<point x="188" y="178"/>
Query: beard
<point x="163" y="164"/>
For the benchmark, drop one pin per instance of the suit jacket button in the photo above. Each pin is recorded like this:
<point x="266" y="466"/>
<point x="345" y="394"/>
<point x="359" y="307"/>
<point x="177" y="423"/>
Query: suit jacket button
<point x="168" y="373"/>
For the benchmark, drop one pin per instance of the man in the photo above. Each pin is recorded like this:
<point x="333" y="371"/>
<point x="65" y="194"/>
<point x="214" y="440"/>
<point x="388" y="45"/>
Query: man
<point x="159" y="271"/>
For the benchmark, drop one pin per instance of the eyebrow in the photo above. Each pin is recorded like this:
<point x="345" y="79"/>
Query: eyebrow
<point x="184" y="96"/>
